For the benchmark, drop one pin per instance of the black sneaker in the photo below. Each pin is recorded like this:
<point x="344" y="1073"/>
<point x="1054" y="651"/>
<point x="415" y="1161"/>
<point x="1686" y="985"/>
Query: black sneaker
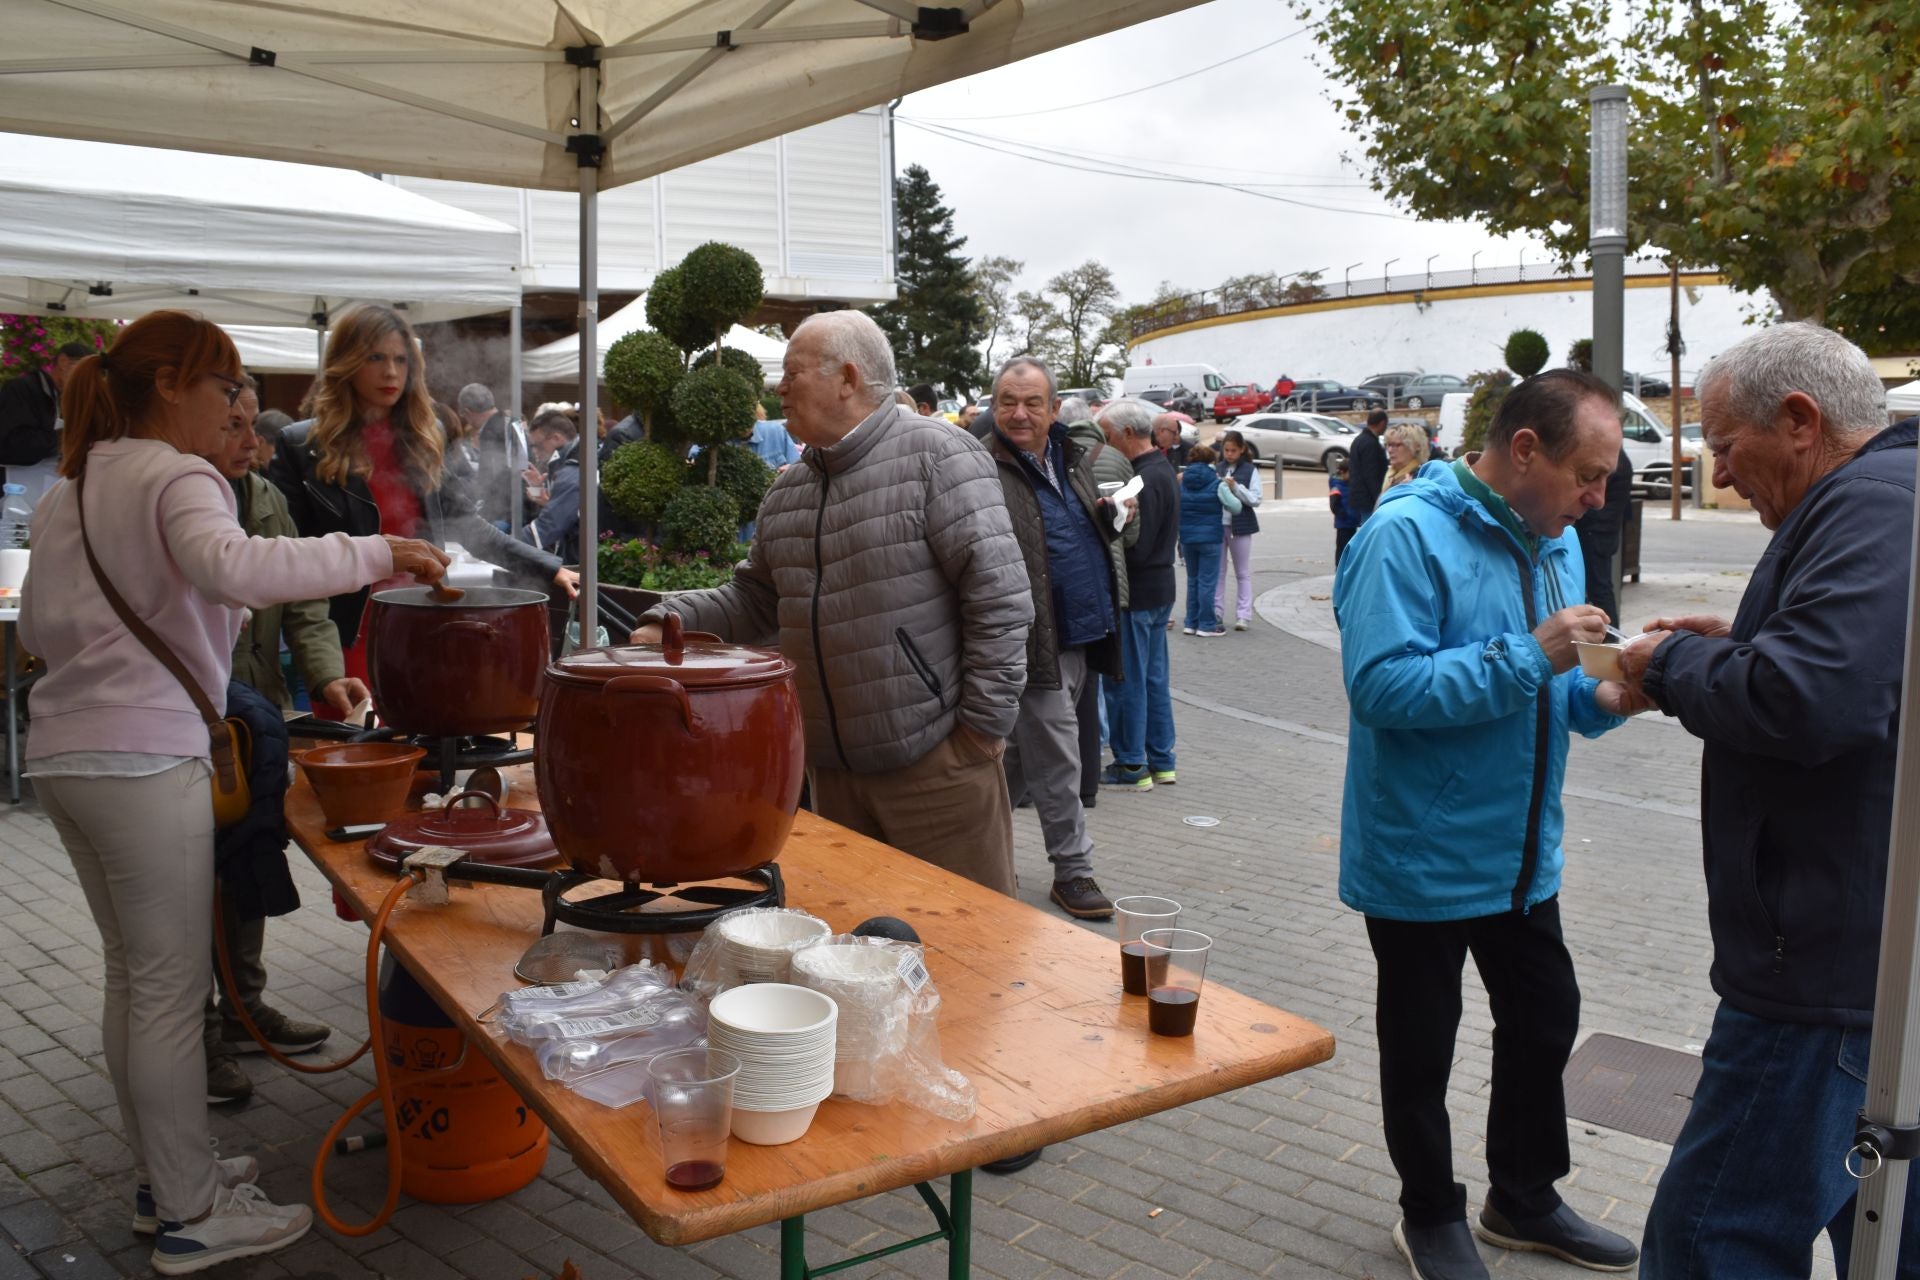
<point x="1440" y="1253"/>
<point x="1562" y="1233"/>
<point x="1081" y="897"/>
<point x="282" y="1032"/>
<point x="226" y="1081"/>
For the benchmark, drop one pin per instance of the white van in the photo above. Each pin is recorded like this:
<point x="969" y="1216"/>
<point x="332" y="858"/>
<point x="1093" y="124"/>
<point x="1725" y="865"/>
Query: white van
<point x="1203" y="380"/>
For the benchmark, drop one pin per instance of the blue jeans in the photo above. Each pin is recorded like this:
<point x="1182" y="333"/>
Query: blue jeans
<point x="1203" y="573"/>
<point x="1756" y="1173"/>
<point x="1140" y="707"/>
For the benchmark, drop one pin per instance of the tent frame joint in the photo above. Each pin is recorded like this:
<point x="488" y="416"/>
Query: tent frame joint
<point x="1888" y="1141"/>
<point x="936" y="23"/>
<point x="587" y="149"/>
<point x="259" y="57"/>
<point x="583" y="55"/>
<point x="724" y="40"/>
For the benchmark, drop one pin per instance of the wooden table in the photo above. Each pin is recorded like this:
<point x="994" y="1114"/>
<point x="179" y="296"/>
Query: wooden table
<point x="1031" y="1012"/>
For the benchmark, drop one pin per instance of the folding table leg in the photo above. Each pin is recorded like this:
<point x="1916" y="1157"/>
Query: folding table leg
<point x="793" y="1248"/>
<point x="960" y="1209"/>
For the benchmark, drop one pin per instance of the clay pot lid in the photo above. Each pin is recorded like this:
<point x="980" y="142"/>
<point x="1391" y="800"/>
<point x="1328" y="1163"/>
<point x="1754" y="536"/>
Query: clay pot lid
<point x="470" y="598"/>
<point x="472" y="821"/>
<point x="692" y="658"/>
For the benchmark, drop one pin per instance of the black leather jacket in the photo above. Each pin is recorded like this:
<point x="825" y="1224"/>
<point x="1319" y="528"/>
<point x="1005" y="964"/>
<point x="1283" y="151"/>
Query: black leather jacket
<point x="451" y="513"/>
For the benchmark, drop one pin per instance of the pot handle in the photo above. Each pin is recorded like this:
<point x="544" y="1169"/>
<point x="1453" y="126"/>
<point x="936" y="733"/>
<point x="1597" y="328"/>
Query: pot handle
<point x="674" y="637"/>
<point x="468" y="624"/>
<point x="644" y="684"/>
<point x="460" y="796"/>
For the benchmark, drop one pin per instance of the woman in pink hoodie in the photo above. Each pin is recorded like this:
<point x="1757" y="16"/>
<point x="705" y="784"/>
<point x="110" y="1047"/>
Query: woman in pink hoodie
<point x="119" y="755"/>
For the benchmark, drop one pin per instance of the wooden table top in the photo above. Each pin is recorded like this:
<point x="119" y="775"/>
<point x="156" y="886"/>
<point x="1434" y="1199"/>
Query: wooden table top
<point x="1030" y="1011"/>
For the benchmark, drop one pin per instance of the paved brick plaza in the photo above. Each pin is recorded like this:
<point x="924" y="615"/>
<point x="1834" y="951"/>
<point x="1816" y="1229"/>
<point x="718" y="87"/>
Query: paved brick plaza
<point x="1287" y="1179"/>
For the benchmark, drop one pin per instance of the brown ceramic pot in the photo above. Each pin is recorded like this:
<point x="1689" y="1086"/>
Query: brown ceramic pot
<point x="451" y="670"/>
<point x="668" y="763"/>
<point x="359" y="782"/>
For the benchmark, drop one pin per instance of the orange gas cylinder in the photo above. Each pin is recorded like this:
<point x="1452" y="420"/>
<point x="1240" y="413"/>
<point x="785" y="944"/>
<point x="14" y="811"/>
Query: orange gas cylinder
<point x="465" y="1135"/>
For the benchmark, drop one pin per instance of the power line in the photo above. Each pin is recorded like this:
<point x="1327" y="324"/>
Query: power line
<point x="1115" y="97"/>
<point x="1134" y="172"/>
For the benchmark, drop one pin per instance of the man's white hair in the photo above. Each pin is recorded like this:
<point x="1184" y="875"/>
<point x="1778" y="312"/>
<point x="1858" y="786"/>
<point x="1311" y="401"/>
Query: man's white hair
<point x="1758" y="373"/>
<point x="1131" y="416"/>
<point x="476" y="397"/>
<point x="1074" y="409"/>
<point x="852" y="338"/>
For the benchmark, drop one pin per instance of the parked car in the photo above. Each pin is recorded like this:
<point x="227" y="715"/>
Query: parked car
<point x="1239" y="398"/>
<point x="1647" y="384"/>
<point x="1176" y="399"/>
<point x="1094" y="396"/>
<point x="1428" y="388"/>
<point x="1303" y="439"/>
<point x="1389" y="383"/>
<point x="1324" y="393"/>
<point x="1649" y="446"/>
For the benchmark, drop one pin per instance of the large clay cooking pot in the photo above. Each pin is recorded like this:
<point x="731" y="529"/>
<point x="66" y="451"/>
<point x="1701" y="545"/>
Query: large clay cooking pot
<point x="452" y="670"/>
<point x="668" y="763"/>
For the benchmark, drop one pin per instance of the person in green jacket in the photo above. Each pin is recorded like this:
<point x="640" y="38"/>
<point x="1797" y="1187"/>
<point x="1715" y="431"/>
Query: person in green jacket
<point x="315" y="644"/>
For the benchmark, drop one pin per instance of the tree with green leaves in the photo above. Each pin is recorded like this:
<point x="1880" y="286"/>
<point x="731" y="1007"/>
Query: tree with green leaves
<point x="1526" y="352"/>
<point x="1088" y="304"/>
<point x="993" y="279"/>
<point x="938" y="321"/>
<point x="1776" y="141"/>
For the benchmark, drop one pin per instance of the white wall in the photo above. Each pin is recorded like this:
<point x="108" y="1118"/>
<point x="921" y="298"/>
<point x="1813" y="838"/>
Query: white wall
<point x="1453" y="335"/>
<point x="814" y="207"/>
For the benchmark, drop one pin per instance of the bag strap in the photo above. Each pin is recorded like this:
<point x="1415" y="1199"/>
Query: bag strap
<point x="144" y="633"/>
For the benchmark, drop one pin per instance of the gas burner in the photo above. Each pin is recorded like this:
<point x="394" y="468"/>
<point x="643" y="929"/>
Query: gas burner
<point x="455" y="755"/>
<point x="624" y="909"/>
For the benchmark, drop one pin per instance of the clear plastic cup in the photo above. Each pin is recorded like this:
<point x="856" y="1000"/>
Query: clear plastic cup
<point x="693" y="1101"/>
<point x="1176" y="970"/>
<point x="1133" y="916"/>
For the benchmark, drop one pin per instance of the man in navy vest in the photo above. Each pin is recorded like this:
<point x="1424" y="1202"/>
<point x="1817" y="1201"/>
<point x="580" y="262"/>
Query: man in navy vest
<point x="1067" y="536"/>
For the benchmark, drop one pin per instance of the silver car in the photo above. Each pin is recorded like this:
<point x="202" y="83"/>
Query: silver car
<point x="1303" y="439"/>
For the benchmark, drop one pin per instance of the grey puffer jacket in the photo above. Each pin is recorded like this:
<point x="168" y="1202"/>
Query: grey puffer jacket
<point x="886" y="569"/>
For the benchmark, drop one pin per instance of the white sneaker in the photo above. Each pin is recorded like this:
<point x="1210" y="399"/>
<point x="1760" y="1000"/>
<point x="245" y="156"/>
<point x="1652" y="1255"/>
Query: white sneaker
<point x="243" y="1223"/>
<point x="232" y="1172"/>
<point x="1241" y="625"/>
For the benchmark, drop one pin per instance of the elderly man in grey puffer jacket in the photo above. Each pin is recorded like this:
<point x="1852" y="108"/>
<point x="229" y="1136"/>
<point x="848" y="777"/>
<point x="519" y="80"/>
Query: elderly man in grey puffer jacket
<point x="885" y="567"/>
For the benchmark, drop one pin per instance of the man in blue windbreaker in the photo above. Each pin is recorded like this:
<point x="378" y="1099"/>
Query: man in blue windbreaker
<point x="1459" y="605"/>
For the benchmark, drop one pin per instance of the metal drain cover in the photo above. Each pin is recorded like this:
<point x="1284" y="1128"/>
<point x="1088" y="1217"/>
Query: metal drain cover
<point x="1200" y="820"/>
<point x="1642" y="1089"/>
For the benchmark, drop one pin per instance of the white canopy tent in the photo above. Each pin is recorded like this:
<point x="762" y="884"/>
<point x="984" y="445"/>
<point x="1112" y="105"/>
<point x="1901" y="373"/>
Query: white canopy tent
<point x="560" y="361"/>
<point x="1904" y="399"/>
<point x="95" y="229"/>
<point x="554" y="94"/>
<point x="270" y="349"/>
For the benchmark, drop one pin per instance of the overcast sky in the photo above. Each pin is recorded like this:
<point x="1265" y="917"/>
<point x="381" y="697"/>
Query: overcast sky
<point x="1264" y="119"/>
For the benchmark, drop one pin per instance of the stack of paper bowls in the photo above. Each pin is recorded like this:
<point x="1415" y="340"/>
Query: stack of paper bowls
<point x="784" y="1038"/>
<point x="865" y="983"/>
<point x="758" y="946"/>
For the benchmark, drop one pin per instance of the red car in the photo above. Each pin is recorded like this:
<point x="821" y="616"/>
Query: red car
<point x="1230" y="402"/>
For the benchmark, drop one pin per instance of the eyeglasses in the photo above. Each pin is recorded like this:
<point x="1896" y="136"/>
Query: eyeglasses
<point x="234" y="388"/>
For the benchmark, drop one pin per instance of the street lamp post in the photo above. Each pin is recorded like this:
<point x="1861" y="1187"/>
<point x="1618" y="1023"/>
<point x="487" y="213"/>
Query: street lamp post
<point x="1523" y="264"/>
<point x="1607" y="229"/>
<point x="1347" y="277"/>
<point x="1474" y="265"/>
<point x="1430" y="259"/>
<point x="1386" y="276"/>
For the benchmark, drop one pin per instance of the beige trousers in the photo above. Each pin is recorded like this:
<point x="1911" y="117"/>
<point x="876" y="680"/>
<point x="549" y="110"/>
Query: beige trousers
<point x="949" y="808"/>
<point x="143" y="851"/>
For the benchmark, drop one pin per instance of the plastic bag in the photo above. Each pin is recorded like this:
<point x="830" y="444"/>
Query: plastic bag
<point x="586" y="1008"/>
<point x="887" y="1047"/>
<point x="753" y="944"/>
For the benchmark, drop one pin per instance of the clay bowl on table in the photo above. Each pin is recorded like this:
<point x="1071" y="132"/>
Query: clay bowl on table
<point x="358" y="782"/>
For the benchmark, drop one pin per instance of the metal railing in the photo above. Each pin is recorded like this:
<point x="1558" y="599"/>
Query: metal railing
<point x="1209" y="303"/>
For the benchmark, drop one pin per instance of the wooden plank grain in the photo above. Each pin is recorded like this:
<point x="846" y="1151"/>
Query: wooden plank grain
<point x="1031" y="1014"/>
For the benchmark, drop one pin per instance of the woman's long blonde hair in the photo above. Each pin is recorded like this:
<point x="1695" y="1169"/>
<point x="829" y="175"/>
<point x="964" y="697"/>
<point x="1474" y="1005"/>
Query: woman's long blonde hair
<point x="336" y="410"/>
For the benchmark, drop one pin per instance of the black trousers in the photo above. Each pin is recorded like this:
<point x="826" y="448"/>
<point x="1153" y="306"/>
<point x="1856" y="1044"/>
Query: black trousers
<point x="1528" y="975"/>
<point x="1341" y="537"/>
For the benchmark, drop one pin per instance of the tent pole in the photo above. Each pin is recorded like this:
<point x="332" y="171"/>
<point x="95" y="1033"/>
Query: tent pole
<point x="1893" y="1066"/>
<point x="589" y="361"/>
<point x="516" y="487"/>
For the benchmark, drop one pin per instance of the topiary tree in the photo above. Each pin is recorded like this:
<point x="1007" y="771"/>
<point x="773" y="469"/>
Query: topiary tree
<point x="712" y="406"/>
<point x="735" y="359"/>
<point x="1490" y="387"/>
<point x="1526" y="352"/>
<point x="701" y="521"/>
<point x="721" y="285"/>
<point x="668" y="313"/>
<point x="642" y="370"/>
<point x="741" y="475"/>
<point x="1580" y="355"/>
<point x="640" y="479"/>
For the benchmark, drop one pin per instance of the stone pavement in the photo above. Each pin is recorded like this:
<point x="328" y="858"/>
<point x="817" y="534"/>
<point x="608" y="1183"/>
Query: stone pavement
<point x="1287" y="1179"/>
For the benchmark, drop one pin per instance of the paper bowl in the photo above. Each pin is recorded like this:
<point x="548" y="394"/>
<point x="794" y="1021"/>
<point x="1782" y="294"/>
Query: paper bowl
<point x="760" y="946"/>
<point x="1601" y="661"/>
<point x="772" y="1128"/>
<point x="776" y="1010"/>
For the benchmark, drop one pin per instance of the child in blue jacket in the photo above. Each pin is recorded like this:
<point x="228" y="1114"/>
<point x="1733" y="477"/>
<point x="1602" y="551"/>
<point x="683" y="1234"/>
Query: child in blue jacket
<point x="1344" y="519"/>
<point x="1201" y="539"/>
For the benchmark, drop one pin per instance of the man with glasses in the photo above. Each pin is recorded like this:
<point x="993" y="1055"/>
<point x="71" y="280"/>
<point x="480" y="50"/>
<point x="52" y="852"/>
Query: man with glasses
<point x="1074" y="563"/>
<point x="1459" y="605"/>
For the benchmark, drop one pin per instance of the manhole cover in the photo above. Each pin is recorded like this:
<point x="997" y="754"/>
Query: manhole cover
<point x="1200" y="821"/>
<point x="1642" y="1089"/>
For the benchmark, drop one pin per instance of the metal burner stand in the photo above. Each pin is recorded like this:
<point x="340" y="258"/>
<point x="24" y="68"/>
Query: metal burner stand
<point x="453" y="755"/>
<point x="618" y="911"/>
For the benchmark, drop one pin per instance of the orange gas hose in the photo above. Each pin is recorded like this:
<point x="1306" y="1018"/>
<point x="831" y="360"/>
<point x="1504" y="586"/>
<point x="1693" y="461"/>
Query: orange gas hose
<point x="228" y="986"/>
